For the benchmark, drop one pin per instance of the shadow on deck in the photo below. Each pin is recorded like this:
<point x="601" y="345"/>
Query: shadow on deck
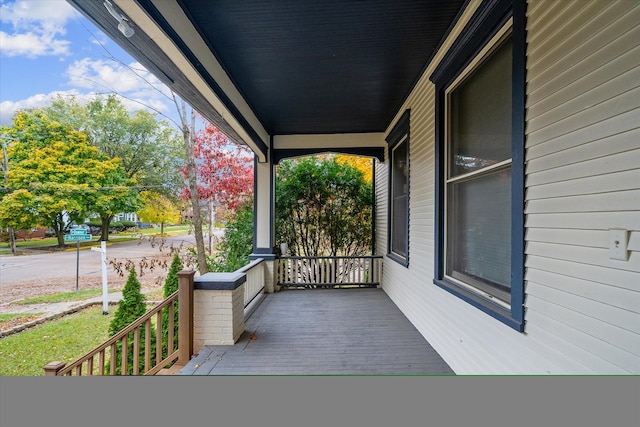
<point x="323" y="332"/>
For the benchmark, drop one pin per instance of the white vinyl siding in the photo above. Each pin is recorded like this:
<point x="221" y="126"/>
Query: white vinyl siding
<point x="582" y="178"/>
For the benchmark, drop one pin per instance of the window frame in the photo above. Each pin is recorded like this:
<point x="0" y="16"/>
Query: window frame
<point x="481" y="35"/>
<point x="400" y="134"/>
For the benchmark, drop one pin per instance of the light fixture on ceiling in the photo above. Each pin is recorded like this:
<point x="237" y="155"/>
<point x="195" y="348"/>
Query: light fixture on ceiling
<point x="124" y="26"/>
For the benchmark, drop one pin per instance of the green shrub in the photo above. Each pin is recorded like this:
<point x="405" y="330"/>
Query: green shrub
<point x="116" y="225"/>
<point x="129" y="309"/>
<point x="128" y="224"/>
<point x="237" y="243"/>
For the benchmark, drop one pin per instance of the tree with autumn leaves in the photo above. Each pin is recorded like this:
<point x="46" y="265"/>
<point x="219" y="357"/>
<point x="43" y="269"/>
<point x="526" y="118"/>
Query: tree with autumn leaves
<point x="158" y="209"/>
<point x="223" y="174"/>
<point x="149" y="149"/>
<point x="224" y="169"/>
<point x="57" y="176"/>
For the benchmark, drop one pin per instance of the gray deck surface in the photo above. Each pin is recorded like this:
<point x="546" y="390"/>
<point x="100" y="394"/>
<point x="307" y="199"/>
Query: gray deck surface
<point x="323" y="332"/>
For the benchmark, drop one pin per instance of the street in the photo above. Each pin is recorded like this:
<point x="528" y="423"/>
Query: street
<point x="31" y="275"/>
<point x="45" y="266"/>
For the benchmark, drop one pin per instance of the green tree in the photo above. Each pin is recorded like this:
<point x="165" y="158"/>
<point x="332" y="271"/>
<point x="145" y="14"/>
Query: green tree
<point x="237" y="243"/>
<point x="150" y="149"/>
<point x="158" y="209"/>
<point x="323" y="207"/>
<point x="56" y="176"/>
<point x="131" y="307"/>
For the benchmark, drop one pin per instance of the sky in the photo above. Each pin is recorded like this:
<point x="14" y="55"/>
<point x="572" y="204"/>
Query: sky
<point x="49" y="49"/>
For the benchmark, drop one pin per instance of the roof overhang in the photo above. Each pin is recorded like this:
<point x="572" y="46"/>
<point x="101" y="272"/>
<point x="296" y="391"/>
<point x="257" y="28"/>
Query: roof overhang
<point x="287" y="75"/>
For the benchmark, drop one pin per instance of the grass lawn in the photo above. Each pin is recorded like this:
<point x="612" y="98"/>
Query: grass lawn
<point x="82" y="294"/>
<point x="65" y="339"/>
<point x="6" y="317"/>
<point x="155" y="295"/>
<point x="168" y="230"/>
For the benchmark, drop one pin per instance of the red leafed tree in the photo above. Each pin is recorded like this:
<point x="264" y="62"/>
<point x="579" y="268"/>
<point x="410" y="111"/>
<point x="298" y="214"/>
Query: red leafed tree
<point x="224" y="170"/>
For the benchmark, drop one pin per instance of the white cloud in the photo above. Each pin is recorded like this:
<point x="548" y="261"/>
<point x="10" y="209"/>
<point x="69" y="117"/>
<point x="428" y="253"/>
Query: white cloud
<point x="37" y="27"/>
<point x="9" y="108"/>
<point x="49" y="12"/>
<point x="131" y="81"/>
<point x="88" y="77"/>
<point x="133" y="103"/>
<point x="108" y="75"/>
<point x="32" y="45"/>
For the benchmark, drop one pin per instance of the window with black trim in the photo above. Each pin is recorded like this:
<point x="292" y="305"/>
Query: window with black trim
<point x="398" y="227"/>
<point x="480" y="172"/>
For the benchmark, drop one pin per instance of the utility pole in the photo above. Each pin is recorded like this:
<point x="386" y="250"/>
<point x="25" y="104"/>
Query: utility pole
<point x="211" y="219"/>
<point x="5" y="169"/>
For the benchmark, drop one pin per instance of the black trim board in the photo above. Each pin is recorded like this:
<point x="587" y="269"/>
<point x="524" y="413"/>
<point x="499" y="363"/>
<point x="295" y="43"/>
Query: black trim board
<point x="268" y="254"/>
<point x="219" y="281"/>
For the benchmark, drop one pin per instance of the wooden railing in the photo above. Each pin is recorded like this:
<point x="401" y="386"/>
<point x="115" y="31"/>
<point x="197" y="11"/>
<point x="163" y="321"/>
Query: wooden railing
<point x="326" y="271"/>
<point x="138" y="342"/>
<point x="255" y="280"/>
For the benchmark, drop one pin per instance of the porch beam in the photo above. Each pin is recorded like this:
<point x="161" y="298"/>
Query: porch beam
<point x="360" y="144"/>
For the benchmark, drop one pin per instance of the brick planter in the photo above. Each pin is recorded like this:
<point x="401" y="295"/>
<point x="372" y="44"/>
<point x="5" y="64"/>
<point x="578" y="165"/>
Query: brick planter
<point x="218" y="309"/>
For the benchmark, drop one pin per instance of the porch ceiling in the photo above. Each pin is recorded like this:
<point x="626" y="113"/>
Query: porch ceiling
<point x="289" y="67"/>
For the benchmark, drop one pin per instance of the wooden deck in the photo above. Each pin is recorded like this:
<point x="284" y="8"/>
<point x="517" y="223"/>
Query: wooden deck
<point x="323" y="332"/>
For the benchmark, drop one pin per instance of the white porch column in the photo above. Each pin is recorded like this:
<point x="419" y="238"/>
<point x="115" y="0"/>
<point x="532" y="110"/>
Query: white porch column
<point x="264" y="220"/>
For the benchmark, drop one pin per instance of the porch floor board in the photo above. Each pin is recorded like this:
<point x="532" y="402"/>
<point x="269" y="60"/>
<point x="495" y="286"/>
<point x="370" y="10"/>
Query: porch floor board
<point x="323" y="332"/>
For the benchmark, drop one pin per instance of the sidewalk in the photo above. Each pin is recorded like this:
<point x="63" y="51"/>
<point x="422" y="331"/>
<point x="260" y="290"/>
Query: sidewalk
<point x="50" y="311"/>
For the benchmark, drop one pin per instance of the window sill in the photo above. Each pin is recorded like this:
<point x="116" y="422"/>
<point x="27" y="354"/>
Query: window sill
<point x="399" y="259"/>
<point x="491" y="308"/>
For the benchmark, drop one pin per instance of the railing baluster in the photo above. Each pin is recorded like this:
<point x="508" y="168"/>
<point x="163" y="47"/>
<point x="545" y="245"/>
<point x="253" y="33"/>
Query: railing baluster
<point x="90" y="366"/>
<point x="171" y="327"/>
<point x="136" y="351"/>
<point x="124" y="356"/>
<point x="112" y="366"/>
<point x="158" y="338"/>
<point x="101" y="362"/>
<point x="147" y="345"/>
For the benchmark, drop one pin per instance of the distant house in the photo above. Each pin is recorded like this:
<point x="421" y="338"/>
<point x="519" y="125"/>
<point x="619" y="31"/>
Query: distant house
<point x="131" y="216"/>
<point x="32" y="233"/>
